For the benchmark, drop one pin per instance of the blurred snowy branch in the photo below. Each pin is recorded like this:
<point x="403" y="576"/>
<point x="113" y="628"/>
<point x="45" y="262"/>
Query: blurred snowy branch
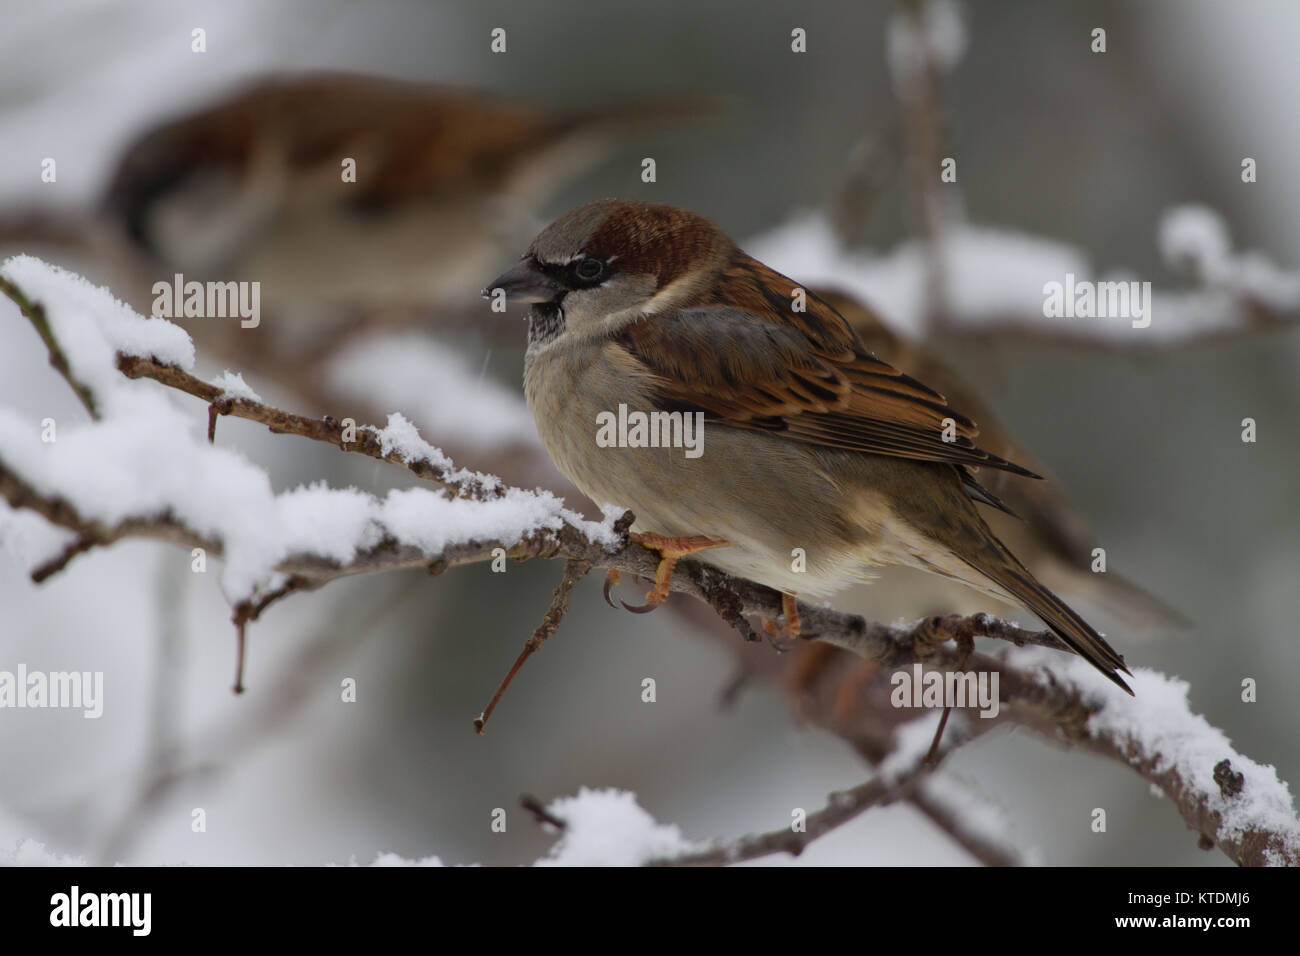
<point x="995" y="284"/>
<point x="143" y="468"/>
<point x="901" y="778"/>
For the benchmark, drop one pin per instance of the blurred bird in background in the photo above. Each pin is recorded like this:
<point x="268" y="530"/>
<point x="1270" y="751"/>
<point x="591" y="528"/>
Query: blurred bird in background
<point x="253" y="186"/>
<point x="354" y="201"/>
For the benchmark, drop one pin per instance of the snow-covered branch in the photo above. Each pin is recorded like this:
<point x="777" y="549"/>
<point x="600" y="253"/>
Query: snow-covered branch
<point x="101" y="481"/>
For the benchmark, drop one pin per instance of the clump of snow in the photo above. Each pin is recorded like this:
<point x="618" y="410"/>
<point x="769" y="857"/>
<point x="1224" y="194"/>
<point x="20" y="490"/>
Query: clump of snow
<point x="402" y="437"/>
<point x="332" y="523"/>
<point x="144" y="459"/>
<point x="1193" y="236"/>
<point x="88" y="319"/>
<point x="602" y="531"/>
<point x="232" y="385"/>
<point x="1196" y="238"/>
<point x="431" y="521"/>
<point x="29" y="852"/>
<point x="437" y="387"/>
<point x="609" y="828"/>
<point x="602" y="828"/>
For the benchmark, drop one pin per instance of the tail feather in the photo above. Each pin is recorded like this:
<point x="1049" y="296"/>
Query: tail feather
<point x="995" y="562"/>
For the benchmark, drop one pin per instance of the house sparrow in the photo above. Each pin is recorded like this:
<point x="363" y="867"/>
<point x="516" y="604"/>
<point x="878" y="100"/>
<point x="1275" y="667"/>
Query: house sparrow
<point x="1050" y="535"/>
<point x="252" y="187"/>
<point x="812" y="447"/>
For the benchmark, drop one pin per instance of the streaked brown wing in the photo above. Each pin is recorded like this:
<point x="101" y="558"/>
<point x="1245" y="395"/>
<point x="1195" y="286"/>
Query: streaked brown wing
<point x="748" y="360"/>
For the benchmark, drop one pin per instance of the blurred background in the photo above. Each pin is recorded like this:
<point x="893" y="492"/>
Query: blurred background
<point x="1053" y="141"/>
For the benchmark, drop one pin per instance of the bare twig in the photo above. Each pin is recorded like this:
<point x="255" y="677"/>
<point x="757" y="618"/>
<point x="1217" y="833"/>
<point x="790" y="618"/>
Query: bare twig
<point x="574" y="571"/>
<point x="840" y="809"/>
<point x="250" y="610"/>
<point x="541" y="814"/>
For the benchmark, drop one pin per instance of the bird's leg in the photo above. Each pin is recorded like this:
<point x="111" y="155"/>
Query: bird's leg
<point x="790" y="611"/>
<point x="671" y="550"/>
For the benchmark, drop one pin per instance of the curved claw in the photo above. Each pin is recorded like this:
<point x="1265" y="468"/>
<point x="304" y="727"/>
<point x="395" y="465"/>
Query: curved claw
<point x="611" y="582"/>
<point x="638" y="608"/>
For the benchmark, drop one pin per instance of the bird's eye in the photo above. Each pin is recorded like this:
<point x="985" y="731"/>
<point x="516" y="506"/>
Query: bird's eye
<point x="588" y="269"/>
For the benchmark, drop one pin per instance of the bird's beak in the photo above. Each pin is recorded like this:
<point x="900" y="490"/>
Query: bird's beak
<point x="525" y="283"/>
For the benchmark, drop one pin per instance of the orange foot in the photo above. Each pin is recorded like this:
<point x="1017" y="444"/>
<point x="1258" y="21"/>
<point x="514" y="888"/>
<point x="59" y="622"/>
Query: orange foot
<point x="790" y="611"/>
<point x="671" y="550"/>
